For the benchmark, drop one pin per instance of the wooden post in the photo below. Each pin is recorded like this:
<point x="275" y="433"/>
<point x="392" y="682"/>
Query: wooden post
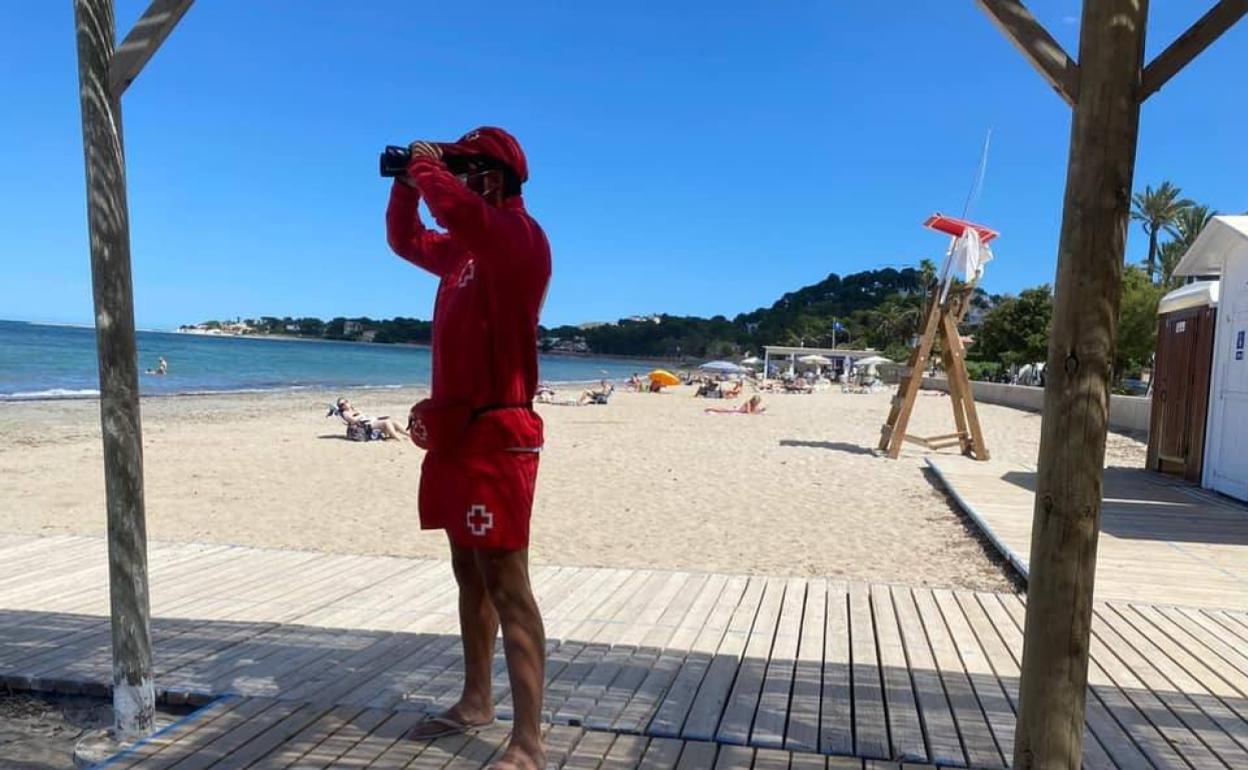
<point x="108" y="221"/>
<point x="1076" y="396"/>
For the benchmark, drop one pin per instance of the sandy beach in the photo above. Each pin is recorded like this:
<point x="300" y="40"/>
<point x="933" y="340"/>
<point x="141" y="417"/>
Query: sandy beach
<point x="646" y="481"/>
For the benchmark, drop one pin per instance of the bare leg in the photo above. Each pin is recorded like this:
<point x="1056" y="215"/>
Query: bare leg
<point x="478" y="626"/>
<point x="392" y="429"/>
<point x="524" y="642"/>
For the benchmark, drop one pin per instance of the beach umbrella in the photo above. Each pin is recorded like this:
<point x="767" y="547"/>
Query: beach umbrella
<point x="751" y="361"/>
<point x="722" y="367"/>
<point x="815" y="360"/>
<point x="663" y="377"/>
<point x="873" y="361"/>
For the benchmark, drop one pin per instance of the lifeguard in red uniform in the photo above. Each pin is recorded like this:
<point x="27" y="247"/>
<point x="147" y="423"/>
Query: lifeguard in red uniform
<point x="481" y="434"/>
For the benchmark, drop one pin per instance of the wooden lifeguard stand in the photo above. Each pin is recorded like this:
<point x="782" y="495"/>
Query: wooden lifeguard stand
<point x="942" y="313"/>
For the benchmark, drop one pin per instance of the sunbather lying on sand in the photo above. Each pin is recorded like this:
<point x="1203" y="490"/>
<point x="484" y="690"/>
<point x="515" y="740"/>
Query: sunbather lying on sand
<point x="753" y="406"/>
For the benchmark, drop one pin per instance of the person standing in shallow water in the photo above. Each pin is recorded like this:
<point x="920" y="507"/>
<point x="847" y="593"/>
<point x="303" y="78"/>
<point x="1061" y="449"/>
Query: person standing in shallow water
<point x="479" y="429"/>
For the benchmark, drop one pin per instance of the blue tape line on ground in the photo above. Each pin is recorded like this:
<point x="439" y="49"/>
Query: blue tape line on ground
<point x="191" y="717"/>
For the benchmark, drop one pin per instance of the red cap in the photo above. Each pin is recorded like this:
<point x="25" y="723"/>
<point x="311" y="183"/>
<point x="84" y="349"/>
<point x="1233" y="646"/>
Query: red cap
<point x="494" y="143"/>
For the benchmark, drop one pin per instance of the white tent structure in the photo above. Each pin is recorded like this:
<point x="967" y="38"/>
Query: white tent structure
<point x="1221" y="250"/>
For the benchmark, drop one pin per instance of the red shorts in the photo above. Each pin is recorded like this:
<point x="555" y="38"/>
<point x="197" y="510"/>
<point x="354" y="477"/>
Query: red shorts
<point x="482" y="500"/>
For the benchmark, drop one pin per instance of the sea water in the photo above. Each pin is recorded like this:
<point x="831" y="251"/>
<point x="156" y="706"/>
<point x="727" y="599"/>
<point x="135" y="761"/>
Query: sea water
<point x="46" y="362"/>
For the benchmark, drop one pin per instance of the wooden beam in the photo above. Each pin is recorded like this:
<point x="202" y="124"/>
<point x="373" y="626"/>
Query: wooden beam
<point x="1036" y="45"/>
<point x="109" y="224"/>
<point x="143" y="41"/>
<point x="1066" y="520"/>
<point x="1188" y="46"/>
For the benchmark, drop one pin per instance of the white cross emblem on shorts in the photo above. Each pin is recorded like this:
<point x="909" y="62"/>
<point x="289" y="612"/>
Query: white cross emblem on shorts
<point x="480" y="520"/>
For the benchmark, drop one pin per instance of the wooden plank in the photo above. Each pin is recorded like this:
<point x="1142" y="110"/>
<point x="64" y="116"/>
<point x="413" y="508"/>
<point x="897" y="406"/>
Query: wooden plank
<point x="405" y="754"/>
<point x="486" y="745"/>
<point x="685" y="672"/>
<point x="289" y="739"/>
<point x="1146" y="740"/>
<point x="806" y="761"/>
<point x="144" y="39"/>
<point x="589" y="751"/>
<point x="984" y="682"/>
<point x="1200" y="656"/>
<point x="904" y="726"/>
<point x="712" y="695"/>
<point x="770" y="759"/>
<point x="1107" y="736"/>
<point x="373" y="745"/>
<point x="1036" y="45"/>
<point x="639" y="669"/>
<point x="697" y="755"/>
<point x="771" y="721"/>
<point x="1183" y="720"/>
<point x="601" y="587"/>
<point x="1230" y="623"/>
<point x="1190" y="44"/>
<point x="734" y="758"/>
<point x="1199" y="626"/>
<point x="661" y="754"/>
<point x="213" y="741"/>
<point x="136" y="753"/>
<point x="836" y="720"/>
<point x="977" y="739"/>
<point x="870" y="721"/>
<point x="625" y="753"/>
<point x="561" y="692"/>
<point x="990" y="664"/>
<point x="560" y="740"/>
<point x="803" y="727"/>
<point x="589" y="705"/>
<point x="943" y="748"/>
<point x="743" y="701"/>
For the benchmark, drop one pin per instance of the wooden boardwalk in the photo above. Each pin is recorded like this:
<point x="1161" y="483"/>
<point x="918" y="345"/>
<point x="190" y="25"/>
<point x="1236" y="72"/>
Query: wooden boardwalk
<point x="1162" y="540"/>
<point x="324" y="653"/>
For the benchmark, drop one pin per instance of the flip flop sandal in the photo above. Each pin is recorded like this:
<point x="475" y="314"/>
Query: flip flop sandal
<point x="443" y="726"/>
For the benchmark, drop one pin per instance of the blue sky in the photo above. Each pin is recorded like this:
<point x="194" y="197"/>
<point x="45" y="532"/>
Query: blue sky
<point x="695" y="158"/>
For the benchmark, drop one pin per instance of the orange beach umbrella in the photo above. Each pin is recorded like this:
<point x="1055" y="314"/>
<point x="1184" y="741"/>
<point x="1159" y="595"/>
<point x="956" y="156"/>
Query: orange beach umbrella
<point x="664" y="377"/>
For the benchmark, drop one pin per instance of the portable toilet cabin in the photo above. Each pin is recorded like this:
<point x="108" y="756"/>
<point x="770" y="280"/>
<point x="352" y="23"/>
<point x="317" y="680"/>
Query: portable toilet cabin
<point x="1221" y="250"/>
<point x="1181" y="372"/>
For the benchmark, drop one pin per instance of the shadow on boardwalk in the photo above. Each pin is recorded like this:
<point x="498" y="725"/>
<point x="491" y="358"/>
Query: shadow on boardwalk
<point x="915" y="679"/>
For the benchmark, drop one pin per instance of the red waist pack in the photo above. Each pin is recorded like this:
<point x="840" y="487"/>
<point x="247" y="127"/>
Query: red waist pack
<point x="437" y="425"/>
<point x="440" y="426"/>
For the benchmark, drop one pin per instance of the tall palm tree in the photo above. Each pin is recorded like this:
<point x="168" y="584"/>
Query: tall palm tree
<point x="1170" y="253"/>
<point x="1188" y="224"/>
<point x="1184" y="230"/>
<point x="1154" y="210"/>
<point x="888" y="319"/>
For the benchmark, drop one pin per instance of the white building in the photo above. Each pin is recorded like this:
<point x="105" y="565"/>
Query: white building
<point x="1222" y="250"/>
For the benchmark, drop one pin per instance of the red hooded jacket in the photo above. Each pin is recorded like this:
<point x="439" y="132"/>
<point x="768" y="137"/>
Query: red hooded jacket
<point x="494" y="267"/>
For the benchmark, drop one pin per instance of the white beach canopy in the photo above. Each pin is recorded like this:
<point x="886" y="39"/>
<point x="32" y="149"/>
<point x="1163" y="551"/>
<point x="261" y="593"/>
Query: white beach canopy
<point x="815" y="360"/>
<point x="874" y="361"/>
